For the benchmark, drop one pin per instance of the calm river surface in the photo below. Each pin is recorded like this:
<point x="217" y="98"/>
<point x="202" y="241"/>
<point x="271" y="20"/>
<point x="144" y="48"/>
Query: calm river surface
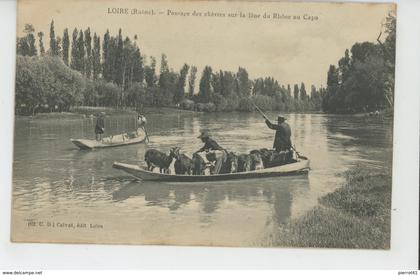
<point x="57" y="184"/>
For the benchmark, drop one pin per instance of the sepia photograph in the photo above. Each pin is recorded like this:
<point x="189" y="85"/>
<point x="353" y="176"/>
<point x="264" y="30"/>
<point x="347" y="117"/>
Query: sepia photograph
<point x="204" y="123"/>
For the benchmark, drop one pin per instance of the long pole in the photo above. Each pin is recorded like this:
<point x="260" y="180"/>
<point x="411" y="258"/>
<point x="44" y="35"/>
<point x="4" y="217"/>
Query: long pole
<point x="259" y="110"/>
<point x="147" y="135"/>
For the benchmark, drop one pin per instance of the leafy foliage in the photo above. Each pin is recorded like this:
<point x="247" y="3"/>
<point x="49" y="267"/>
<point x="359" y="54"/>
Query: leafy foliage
<point x="364" y="78"/>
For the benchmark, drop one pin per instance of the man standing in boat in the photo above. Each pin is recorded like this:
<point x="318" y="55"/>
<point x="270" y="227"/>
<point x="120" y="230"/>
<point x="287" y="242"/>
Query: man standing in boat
<point x="100" y="126"/>
<point x="282" y="142"/>
<point x="215" y="152"/>
<point x="141" y="125"/>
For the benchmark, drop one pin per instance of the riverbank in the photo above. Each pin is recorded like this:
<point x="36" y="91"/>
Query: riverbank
<point x="88" y="111"/>
<point x="81" y="112"/>
<point x="357" y="215"/>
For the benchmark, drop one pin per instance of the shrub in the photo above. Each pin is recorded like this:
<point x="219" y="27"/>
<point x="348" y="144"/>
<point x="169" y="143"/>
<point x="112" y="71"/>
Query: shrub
<point x="245" y="104"/>
<point x="205" y="107"/>
<point x="264" y="102"/>
<point x="48" y="82"/>
<point x="187" y="104"/>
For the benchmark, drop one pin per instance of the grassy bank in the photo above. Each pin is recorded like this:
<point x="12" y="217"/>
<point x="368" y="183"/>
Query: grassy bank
<point x="357" y="215"/>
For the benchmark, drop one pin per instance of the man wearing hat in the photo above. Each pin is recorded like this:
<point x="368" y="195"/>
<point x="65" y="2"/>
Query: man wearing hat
<point x="215" y="152"/>
<point x="282" y="140"/>
<point x="100" y="126"/>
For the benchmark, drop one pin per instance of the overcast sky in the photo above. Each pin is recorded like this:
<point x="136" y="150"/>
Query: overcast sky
<point x="291" y="51"/>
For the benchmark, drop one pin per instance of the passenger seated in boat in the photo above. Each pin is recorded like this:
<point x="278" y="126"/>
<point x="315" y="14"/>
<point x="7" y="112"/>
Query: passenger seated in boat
<point x="141" y="121"/>
<point x="100" y="126"/>
<point x="215" y="153"/>
<point x="132" y="135"/>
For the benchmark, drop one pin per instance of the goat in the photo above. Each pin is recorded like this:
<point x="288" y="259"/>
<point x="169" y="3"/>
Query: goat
<point x="199" y="165"/>
<point x="230" y="165"/>
<point x="266" y="157"/>
<point x="183" y="164"/>
<point x="244" y="163"/>
<point x="155" y="158"/>
<point x="256" y="160"/>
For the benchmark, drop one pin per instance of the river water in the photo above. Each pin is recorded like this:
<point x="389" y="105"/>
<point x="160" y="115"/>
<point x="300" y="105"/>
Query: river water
<point x="62" y="194"/>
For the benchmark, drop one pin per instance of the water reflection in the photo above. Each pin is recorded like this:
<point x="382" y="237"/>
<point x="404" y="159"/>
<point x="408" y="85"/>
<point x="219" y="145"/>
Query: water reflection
<point x="279" y="193"/>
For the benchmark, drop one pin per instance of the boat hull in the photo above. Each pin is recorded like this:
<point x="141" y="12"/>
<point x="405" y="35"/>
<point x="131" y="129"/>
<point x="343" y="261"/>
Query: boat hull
<point x="109" y="142"/>
<point x="297" y="168"/>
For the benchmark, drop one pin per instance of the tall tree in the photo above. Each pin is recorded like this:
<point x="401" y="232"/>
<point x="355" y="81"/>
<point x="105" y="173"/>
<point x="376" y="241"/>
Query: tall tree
<point x="180" y="85"/>
<point x="303" y="94"/>
<point x="80" y="53"/>
<point x="289" y="90"/>
<point x="167" y="82"/>
<point x="244" y="87"/>
<point x="74" y="51"/>
<point x="53" y="41"/>
<point x="31" y="40"/>
<point x="389" y="53"/>
<point x="329" y="100"/>
<point x="388" y="47"/>
<point x="96" y="55"/>
<point x="26" y="44"/>
<point x="137" y="67"/>
<point x="191" y="81"/>
<point x="216" y="82"/>
<point x="106" y="57"/>
<point x="228" y="84"/>
<point x="344" y="67"/>
<point x="41" y="43"/>
<point x="205" y="90"/>
<point x="296" y="91"/>
<point x="58" y="45"/>
<point x="164" y="73"/>
<point x="66" y="46"/>
<point x="313" y="91"/>
<point x="150" y="73"/>
<point x="119" y="62"/>
<point x="88" y="48"/>
<point x="127" y="63"/>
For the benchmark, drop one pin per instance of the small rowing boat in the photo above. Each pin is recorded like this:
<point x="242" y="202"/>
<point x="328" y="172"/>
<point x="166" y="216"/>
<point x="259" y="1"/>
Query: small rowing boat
<point x="301" y="166"/>
<point x="135" y="137"/>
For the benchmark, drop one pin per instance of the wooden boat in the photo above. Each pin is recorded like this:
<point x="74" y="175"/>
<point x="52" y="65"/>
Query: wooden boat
<point x="301" y="166"/>
<point x="135" y="137"/>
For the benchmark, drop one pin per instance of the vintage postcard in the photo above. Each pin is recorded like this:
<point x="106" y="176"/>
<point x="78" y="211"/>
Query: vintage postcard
<point x="211" y="123"/>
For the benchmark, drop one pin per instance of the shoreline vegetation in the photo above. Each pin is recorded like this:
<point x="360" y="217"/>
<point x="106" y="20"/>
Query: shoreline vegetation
<point x="81" y="112"/>
<point x="356" y="215"/>
<point x="81" y="69"/>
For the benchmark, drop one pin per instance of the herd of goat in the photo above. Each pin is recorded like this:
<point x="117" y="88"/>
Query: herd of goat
<point x="233" y="163"/>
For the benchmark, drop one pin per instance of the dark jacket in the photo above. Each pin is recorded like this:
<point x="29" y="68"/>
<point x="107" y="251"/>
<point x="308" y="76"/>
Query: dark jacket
<point x="210" y="144"/>
<point x="282" y="140"/>
<point x="100" y="125"/>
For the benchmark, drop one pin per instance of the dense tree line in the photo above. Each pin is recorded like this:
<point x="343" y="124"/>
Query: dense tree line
<point x="363" y="80"/>
<point x="111" y="71"/>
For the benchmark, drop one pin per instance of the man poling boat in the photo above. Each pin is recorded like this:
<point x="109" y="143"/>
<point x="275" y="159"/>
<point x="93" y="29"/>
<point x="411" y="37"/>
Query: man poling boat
<point x="282" y="139"/>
